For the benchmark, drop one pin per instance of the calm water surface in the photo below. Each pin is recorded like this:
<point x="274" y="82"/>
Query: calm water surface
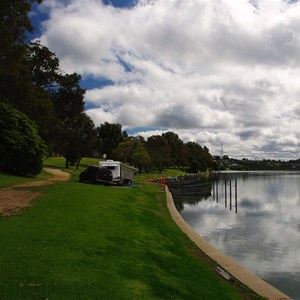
<point x="264" y="235"/>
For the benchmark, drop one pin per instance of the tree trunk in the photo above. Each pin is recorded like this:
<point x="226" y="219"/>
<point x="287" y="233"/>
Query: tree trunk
<point x="77" y="164"/>
<point x="67" y="163"/>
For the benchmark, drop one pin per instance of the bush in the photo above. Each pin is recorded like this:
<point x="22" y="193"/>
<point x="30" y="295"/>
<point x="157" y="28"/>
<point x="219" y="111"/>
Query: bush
<point x="21" y="149"/>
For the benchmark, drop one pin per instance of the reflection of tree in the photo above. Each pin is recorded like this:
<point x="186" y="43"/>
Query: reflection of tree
<point x="180" y="200"/>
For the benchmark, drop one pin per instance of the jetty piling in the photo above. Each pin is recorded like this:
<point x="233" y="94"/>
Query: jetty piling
<point x="230" y="189"/>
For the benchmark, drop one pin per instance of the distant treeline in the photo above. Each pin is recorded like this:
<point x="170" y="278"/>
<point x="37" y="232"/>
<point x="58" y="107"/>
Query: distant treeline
<point x="255" y="164"/>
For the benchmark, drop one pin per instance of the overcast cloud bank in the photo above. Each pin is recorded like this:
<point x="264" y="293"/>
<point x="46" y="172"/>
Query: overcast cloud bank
<point x="213" y="71"/>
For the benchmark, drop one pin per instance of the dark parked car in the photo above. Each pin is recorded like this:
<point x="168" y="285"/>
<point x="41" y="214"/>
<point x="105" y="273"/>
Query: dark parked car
<point x="95" y="174"/>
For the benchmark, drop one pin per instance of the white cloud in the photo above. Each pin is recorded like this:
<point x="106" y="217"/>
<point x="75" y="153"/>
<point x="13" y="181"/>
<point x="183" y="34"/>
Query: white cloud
<point x="213" y="71"/>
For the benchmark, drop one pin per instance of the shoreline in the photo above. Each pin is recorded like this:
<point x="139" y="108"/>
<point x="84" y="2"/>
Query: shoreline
<point x="255" y="283"/>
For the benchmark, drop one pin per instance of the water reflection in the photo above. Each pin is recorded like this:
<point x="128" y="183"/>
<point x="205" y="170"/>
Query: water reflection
<point x="180" y="200"/>
<point x="264" y="236"/>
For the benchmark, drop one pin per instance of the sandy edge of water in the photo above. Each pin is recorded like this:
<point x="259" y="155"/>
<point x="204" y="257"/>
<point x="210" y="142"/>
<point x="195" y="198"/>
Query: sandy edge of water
<point x="255" y="283"/>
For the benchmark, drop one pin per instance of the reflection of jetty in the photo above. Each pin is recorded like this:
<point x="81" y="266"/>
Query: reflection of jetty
<point x="230" y="188"/>
<point x="190" y="184"/>
<point x="190" y="189"/>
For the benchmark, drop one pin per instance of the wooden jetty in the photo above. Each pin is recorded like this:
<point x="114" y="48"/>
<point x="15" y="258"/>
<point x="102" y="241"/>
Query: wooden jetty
<point x="190" y="184"/>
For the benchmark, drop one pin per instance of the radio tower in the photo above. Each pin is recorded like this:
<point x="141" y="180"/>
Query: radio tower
<point x="221" y="151"/>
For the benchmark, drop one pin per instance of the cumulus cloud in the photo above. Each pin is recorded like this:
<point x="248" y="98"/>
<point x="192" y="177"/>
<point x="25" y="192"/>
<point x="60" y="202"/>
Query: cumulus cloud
<point x="213" y="71"/>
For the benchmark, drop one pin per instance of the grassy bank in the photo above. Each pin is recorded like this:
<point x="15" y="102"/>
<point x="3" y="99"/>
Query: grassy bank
<point x="84" y="241"/>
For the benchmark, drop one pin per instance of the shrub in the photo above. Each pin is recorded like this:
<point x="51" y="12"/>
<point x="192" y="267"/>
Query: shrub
<point x="21" y="149"/>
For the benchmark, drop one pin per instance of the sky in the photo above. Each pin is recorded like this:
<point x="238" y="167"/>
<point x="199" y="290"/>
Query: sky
<point x="222" y="73"/>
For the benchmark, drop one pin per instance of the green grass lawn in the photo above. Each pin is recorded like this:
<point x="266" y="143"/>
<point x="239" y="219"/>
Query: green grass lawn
<point x="9" y="180"/>
<point x="83" y="241"/>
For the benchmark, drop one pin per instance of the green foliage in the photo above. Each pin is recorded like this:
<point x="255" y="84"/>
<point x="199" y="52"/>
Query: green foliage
<point x="21" y="148"/>
<point x="160" y="151"/>
<point x="77" y="139"/>
<point x="43" y="64"/>
<point x="24" y="88"/>
<point x="141" y="157"/>
<point x="195" y="166"/>
<point x="68" y="98"/>
<point x="110" y="135"/>
<point x="176" y="145"/>
<point x="124" y="151"/>
<point x="198" y="157"/>
<point x="133" y="152"/>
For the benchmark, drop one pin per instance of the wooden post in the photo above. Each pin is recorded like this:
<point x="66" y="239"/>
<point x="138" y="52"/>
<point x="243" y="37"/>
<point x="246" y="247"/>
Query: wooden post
<point x="230" y="194"/>
<point x="163" y="183"/>
<point x="235" y="192"/>
<point x="217" y="191"/>
<point x="225" y="182"/>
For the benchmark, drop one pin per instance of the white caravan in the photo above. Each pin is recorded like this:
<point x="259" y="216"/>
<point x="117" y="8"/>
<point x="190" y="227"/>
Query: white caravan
<point x="122" y="174"/>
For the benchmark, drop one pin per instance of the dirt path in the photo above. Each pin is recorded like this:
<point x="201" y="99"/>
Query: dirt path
<point x="13" y="199"/>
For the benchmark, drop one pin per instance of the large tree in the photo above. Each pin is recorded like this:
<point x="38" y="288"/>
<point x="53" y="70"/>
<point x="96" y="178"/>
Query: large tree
<point x="43" y="65"/>
<point x="141" y="157"/>
<point x="77" y="139"/>
<point x="177" y="148"/>
<point x="199" y="158"/>
<point x="110" y="135"/>
<point x="68" y="98"/>
<point x="159" y="150"/>
<point x="27" y="89"/>
<point x="75" y="130"/>
<point x="133" y="152"/>
<point x="124" y="151"/>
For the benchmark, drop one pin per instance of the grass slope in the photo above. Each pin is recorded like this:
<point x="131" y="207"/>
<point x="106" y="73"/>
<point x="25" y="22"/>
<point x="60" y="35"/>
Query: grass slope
<point x="84" y="241"/>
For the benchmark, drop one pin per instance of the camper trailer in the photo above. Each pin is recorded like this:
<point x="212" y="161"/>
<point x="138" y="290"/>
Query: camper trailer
<point x="122" y="174"/>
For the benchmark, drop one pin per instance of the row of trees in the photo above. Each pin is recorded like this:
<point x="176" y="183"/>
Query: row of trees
<point x="158" y="151"/>
<point x="42" y="111"/>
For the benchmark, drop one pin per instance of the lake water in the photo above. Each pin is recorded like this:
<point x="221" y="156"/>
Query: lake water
<point x="264" y="235"/>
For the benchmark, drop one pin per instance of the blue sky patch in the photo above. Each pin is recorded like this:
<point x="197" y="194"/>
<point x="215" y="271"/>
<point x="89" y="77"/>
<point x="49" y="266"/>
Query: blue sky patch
<point x="120" y="3"/>
<point x="90" y="83"/>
